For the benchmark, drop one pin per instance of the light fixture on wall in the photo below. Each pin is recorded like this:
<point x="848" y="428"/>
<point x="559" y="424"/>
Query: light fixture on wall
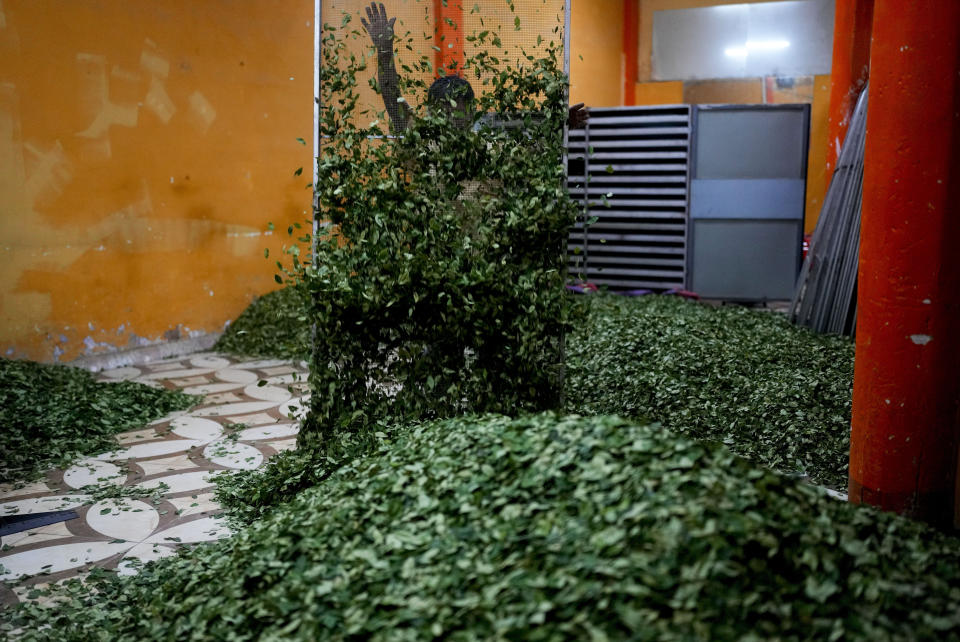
<point x="756" y="45"/>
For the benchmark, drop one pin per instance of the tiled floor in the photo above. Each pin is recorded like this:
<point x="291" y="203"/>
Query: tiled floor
<point x="185" y="450"/>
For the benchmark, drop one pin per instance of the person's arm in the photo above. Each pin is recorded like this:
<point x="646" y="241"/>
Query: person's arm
<point x="381" y="32"/>
<point x="578" y="116"/>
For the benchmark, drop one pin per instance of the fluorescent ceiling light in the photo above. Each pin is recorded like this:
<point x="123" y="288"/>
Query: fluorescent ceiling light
<point x="756" y="45"/>
<point x="767" y="45"/>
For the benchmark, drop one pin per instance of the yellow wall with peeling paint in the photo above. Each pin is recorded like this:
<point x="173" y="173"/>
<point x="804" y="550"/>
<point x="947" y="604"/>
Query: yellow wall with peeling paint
<point x="144" y="147"/>
<point x="596" y="53"/>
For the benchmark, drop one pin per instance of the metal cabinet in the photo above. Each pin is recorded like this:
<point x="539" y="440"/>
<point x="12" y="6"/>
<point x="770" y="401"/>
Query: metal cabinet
<point x="710" y="198"/>
<point x="747" y="198"/>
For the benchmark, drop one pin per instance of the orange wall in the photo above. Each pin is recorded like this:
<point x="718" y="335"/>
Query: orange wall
<point x="144" y="147"/>
<point x="818" y="177"/>
<point x="737" y="91"/>
<point x="596" y="52"/>
<point x="659" y="93"/>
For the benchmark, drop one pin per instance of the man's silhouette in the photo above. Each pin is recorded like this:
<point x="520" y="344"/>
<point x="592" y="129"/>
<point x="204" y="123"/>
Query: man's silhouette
<point x="450" y="93"/>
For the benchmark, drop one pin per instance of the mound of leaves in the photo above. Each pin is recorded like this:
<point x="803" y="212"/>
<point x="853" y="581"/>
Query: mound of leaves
<point x="274" y="325"/>
<point x="540" y="528"/>
<point x="52" y="414"/>
<point x="774" y="393"/>
<point x="442" y="278"/>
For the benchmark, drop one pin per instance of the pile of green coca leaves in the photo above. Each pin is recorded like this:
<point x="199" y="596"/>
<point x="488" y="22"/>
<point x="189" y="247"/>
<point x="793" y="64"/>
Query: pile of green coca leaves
<point x="771" y="392"/>
<point x="51" y="414"/>
<point x="439" y="263"/>
<point x="541" y="528"/>
<point x="774" y="393"/>
<point x="274" y="325"/>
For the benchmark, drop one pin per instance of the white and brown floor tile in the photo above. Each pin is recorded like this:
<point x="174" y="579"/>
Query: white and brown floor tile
<point x="249" y="412"/>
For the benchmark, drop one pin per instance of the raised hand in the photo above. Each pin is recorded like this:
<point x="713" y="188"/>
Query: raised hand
<point x="578" y="116"/>
<point x="379" y="28"/>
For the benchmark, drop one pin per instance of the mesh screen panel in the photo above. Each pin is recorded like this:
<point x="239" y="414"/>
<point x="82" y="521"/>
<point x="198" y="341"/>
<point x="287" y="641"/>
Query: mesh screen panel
<point x="418" y="39"/>
<point x="542" y="19"/>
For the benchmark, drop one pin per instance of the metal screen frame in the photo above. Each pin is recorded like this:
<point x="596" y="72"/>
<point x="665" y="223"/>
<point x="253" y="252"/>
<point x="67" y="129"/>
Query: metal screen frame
<point x="317" y="35"/>
<point x="634" y="194"/>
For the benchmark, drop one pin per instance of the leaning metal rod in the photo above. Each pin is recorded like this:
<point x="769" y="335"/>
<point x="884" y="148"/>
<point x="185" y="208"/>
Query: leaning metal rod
<point x="562" y="348"/>
<point x="852" y="257"/>
<point x="317" y="91"/>
<point x="586" y="200"/>
<point x="828" y="276"/>
<point x="847" y="259"/>
<point x="317" y="39"/>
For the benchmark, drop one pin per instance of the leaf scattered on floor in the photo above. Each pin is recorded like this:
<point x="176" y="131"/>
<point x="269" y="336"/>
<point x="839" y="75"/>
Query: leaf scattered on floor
<point x="51" y="414"/>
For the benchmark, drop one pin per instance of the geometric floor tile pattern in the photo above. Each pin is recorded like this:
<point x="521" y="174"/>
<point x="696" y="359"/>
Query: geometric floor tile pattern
<point x="239" y="425"/>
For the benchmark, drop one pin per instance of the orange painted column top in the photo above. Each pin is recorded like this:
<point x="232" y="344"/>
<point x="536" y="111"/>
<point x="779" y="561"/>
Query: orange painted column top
<point x="631" y="44"/>
<point x="852" y="27"/>
<point x="449" y="36"/>
<point x="906" y="392"/>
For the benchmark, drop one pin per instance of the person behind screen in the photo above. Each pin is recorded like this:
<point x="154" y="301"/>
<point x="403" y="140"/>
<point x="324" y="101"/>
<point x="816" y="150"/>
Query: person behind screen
<point x="451" y="93"/>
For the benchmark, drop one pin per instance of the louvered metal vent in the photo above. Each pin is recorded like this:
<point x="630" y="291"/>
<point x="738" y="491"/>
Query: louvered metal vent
<point x="628" y="170"/>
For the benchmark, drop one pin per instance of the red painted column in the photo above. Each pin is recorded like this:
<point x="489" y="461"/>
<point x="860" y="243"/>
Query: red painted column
<point x="631" y="44"/>
<point x="906" y="390"/>
<point x="852" y="26"/>
<point x="448" y="15"/>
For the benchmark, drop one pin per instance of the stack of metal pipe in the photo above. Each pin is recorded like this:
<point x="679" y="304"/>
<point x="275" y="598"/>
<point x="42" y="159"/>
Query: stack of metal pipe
<point x="825" y="298"/>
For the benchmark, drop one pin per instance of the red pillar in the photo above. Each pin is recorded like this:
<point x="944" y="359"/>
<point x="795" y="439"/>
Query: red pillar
<point x="631" y="43"/>
<point x="448" y="15"/>
<point x="852" y="25"/>
<point x="906" y="390"/>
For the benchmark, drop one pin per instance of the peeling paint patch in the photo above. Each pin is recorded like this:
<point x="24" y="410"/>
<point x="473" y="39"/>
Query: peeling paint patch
<point x="154" y="64"/>
<point x="921" y="339"/>
<point x="159" y="102"/>
<point x="202" y="113"/>
<point x="96" y="99"/>
<point x="137" y="341"/>
<point x="48" y="172"/>
<point x="927" y="301"/>
<point x="122" y="74"/>
<point x="91" y="346"/>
